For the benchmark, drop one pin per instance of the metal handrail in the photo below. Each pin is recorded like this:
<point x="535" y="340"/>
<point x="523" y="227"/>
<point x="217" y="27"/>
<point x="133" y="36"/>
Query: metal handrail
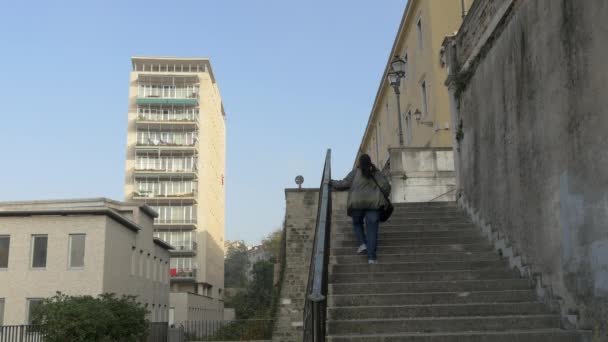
<point x="316" y="291"/>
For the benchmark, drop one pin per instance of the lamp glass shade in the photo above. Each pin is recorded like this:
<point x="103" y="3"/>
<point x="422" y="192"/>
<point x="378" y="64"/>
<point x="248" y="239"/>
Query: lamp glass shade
<point x="393" y="78"/>
<point x="398" y="65"/>
<point x="417" y="115"/>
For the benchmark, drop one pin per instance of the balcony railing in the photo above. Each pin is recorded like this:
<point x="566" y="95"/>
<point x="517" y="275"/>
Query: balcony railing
<point x="165" y="169"/>
<point x="152" y="195"/>
<point x="190" y="142"/>
<point x="171" y="101"/>
<point x="169" y="118"/>
<point x="184" y="247"/>
<point x="183" y="273"/>
<point x="175" y="222"/>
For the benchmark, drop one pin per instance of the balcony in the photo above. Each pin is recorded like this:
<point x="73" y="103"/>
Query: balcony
<point x="164" y="173"/>
<point x="167" y="90"/>
<point x="169" y="147"/>
<point x="157" y="122"/>
<point x="185" y="248"/>
<point x="190" y="224"/>
<point x="182" y="274"/>
<point x="149" y="196"/>
<point x="169" y="101"/>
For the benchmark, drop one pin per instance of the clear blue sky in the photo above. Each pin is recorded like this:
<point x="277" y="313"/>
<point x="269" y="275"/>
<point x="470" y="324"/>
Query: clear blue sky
<point x="296" y="77"/>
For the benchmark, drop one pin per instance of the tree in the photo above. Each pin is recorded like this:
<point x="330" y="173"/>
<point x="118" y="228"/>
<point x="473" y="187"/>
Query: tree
<point x="253" y="306"/>
<point x="88" y="319"/>
<point x="235" y="266"/>
<point x="272" y="245"/>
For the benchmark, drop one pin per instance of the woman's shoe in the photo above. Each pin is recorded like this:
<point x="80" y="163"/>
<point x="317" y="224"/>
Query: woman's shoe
<point x="372" y="262"/>
<point x="361" y="249"/>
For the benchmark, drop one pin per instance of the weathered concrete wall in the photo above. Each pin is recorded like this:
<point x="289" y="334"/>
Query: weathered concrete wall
<point x="422" y="174"/>
<point x="533" y="162"/>
<point x="300" y="218"/>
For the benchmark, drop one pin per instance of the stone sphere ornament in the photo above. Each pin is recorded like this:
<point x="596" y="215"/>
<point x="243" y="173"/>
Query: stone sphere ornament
<point x="299" y="181"/>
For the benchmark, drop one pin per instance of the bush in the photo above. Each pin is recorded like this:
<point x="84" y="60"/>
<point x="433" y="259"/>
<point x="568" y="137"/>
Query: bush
<point x="106" y="318"/>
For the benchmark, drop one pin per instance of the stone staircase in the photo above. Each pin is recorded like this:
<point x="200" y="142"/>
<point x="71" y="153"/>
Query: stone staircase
<point x="437" y="280"/>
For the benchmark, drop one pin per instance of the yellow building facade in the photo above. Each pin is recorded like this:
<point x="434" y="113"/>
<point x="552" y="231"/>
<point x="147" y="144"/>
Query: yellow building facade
<point x="424" y="25"/>
<point x="176" y="164"/>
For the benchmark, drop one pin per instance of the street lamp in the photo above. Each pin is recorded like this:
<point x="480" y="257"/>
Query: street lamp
<point x="394" y="77"/>
<point x="418" y="116"/>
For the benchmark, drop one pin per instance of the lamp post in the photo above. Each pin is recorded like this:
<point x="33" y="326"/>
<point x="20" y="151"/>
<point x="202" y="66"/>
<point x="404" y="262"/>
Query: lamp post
<point x="394" y="77"/>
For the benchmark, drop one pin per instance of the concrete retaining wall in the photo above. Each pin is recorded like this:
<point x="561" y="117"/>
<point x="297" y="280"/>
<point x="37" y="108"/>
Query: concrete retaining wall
<point x="533" y="165"/>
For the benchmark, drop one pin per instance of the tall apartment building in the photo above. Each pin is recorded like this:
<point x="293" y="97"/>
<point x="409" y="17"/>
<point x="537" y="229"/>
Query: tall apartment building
<point x="176" y="164"/>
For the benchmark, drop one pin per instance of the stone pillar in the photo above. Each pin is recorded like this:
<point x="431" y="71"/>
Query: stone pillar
<point x="300" y="218"/>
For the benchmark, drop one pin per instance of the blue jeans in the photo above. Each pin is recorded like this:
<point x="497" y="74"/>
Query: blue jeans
<point x="372" y="222"/>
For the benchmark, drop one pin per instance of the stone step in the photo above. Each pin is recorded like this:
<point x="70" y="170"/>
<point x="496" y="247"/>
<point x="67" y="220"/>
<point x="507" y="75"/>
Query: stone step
<point x="418" y="266"/>
<point x="348" y="227"/>
<point x="346" y="235"/>
<point x="442" y="324"/>
<point x="427" y="214"/>
<point x="404" y="256"/>
<point x="433" y="286"/>
<point x="409" y="220"/>
<point x="505" y="296"/>
<point x="400" y="209"/>
<point x="426" y="205"/>
<point x="405" y="213"/>
<point x="371" y="277"/>
<point x="532" y="335"/>
<point x="414" y="241"/>
<point x="413" y="248"/>
<point x="437" y="310"/>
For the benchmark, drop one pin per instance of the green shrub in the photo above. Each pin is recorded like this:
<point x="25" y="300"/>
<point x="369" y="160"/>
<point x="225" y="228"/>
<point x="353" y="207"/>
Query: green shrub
<point x="106" y="318"/>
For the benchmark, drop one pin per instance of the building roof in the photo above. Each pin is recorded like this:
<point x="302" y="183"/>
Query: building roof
<point x="87" y="206"/>
<point x="163" y="244"/>
<point x="174" y="60"/>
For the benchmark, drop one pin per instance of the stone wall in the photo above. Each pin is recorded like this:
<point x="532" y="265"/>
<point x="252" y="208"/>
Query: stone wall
<point x="300" y="218"/>
<point x="530" y="85"/>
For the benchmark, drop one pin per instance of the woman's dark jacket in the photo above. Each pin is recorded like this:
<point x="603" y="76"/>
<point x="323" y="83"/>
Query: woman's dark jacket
<point x="363" y="192"/>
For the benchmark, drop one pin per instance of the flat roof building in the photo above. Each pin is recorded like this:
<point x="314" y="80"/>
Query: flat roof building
<point x="80" y="247"/>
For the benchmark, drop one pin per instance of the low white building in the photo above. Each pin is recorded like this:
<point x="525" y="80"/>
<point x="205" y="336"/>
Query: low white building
<point x="80" y="247"/>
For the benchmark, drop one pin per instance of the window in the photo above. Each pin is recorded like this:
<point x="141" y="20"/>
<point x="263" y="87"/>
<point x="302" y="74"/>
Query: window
<point x="32" y="304"/>
<point x="39" y="250"/>
<point x="5" y="242"/>
<point x="141" y="263"/>
<point x="424" y="98"/>
<point x="408" y="128"/>
<point x="133" y="260"/>
<point x="380" y="133"/>
<point x="76" y="247"/>
<point x="419" y="26"/>
<point x="1" y="311"/>
<point x="148" y="266"/>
